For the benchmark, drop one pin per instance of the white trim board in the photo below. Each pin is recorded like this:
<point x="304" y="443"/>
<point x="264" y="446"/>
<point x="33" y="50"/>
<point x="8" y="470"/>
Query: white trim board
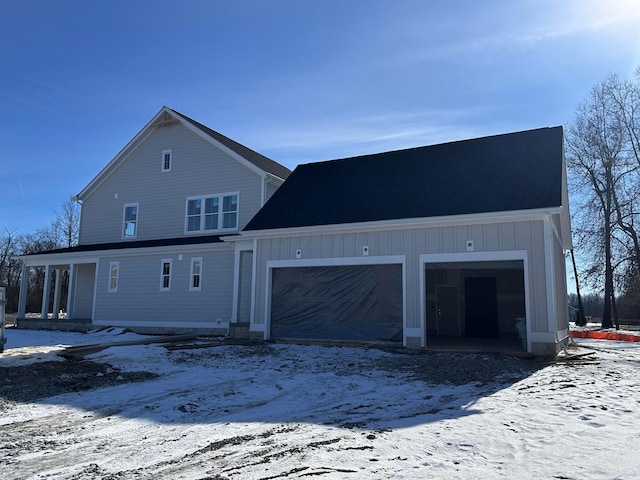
<point x="406" y="224"/>
<point x="470" y="257"/>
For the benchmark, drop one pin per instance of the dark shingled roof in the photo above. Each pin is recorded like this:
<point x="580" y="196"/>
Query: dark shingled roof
<point x="259" y="160"/>
<point x="515" y="171"/>
<point x="164" y="242"/>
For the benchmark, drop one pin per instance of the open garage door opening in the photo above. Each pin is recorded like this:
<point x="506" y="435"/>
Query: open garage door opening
<point x="480" y="305"/>
<point x="362" y="303"/>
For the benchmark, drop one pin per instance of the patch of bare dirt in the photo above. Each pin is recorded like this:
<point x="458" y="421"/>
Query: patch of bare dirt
<point x="31" y="382"/>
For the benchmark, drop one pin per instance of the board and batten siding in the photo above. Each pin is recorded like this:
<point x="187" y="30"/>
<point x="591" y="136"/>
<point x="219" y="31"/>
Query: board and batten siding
<point x="197" y="168"/>
<point x="139" y="301"/>
<point x="83" y="307"/>
<point x="412" y="242"/>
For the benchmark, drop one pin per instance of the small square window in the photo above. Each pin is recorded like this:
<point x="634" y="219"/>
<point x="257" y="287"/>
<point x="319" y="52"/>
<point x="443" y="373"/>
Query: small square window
<point x="166" y="161"/>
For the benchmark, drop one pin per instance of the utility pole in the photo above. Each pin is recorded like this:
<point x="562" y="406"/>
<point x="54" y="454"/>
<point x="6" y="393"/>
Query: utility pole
<point x="2" y="303"/>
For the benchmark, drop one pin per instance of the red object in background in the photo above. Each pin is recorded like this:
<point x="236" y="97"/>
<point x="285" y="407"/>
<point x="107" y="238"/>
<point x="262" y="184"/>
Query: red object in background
<point x="621" y="337"/>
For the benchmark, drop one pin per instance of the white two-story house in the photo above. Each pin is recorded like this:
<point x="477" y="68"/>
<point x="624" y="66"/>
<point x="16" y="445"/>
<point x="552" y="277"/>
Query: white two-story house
<point x="150" y="254"/>
<point x="186" y="230"/>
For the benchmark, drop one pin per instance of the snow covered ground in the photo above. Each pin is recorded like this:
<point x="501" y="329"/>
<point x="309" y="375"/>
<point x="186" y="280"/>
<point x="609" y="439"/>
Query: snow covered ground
<point x="287" y="411"/>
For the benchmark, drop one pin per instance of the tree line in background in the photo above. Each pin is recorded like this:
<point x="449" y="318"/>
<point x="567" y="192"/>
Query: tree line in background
<point x="61" y="233"/>
<point x="602" y="149"/>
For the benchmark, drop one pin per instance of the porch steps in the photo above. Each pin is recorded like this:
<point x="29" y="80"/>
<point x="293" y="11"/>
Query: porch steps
<point x="239" y="330"/>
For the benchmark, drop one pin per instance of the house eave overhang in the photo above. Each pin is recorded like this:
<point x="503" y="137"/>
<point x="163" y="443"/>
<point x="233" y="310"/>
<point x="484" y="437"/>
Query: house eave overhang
<point x="92" y="256"/>
<point x="404" y="224"/>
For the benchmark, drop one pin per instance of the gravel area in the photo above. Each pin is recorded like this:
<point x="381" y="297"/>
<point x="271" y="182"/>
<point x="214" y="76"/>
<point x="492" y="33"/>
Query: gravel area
<point x="45" y="379"/>
<point x="460" y="369"/>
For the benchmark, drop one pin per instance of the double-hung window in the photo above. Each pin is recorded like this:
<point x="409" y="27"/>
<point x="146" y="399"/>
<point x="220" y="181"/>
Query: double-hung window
<point x="196" y="274"/>
<point x="165" y="274"/>
<point x="130" y="223"/>
<point x="166" y="160"/>
<point x="114" y="270"/>
<point x="212" y="213"/>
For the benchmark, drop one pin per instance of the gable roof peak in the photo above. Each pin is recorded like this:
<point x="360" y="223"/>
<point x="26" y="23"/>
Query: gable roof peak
<point x="167" y="116"/>
<point x="261" y="161"/>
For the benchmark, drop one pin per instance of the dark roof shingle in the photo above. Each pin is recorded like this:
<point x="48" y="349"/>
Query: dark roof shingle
<point x="162" y="242"/>
<point x="509" y="172"/>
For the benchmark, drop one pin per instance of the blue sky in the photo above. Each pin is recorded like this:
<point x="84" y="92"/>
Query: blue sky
<point x="296" y="80"/>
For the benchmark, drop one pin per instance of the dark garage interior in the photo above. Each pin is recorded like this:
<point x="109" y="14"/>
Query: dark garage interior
<point x="477" y="305"/>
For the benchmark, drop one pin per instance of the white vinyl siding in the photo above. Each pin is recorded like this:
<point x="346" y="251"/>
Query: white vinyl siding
<point x="197" y="168"/>
<point x="130" y="221"/>
<point x="527" y="235"/>
<point x="165" y="274"/>
<point x="114" y="271"/>
<point x="140" y="301"/>
<point x="166" y="161"/>
<point x="195" y="284"/>
<point x="204" y="213"/>
<point x="85" y="291"/>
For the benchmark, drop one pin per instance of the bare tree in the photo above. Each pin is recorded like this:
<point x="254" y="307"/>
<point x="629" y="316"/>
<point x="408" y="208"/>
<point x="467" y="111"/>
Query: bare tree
<point x="66" y="224"/>
<point x="595" y="144"/>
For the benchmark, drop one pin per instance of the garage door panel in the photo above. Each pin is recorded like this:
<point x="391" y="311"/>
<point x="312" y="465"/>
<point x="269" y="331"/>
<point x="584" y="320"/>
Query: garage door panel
<point x="354" y="302"/>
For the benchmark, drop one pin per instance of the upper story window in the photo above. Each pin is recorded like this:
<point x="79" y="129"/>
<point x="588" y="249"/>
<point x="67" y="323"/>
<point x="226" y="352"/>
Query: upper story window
<point x="212" y="213"/>
<point x="130" y="227"/>
<point x="166" y="160"/>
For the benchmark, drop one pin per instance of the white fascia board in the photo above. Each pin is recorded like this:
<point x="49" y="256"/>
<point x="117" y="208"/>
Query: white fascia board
<point x="126" y="150"/>
<point x="92" y="257"/>
<point x="404" y="224"/>
<point x="239" y="242"/>
<point x="57" y="259"/>
<point x="339" y="261"/>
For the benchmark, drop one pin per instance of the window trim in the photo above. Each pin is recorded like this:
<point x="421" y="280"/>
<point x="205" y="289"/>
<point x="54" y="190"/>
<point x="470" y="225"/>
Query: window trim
<point x="124" y="221"/>
<point x="195" y="260"/>
<point x="114" y="289"/>
<point x="221" y="214"/>
<point x="162" y="160"/>
<point x="163" y="262"/>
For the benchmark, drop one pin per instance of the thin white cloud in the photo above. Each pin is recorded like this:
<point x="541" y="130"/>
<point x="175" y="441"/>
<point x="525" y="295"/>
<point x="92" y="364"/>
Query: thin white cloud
<point x="575" y="18"/>
<point x="350" y="136"/>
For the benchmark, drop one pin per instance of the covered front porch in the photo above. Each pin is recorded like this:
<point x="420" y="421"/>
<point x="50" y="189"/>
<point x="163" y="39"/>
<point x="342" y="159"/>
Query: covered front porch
<point x="67" y="289"/>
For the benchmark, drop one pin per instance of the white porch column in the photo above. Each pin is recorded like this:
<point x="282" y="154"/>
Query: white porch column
<point x="56" y="294"/>
<point x="236" y="285"/>
<point x="24" y="287"/>
<point x="71" y="295"/>
<point x="46" y="293"/>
